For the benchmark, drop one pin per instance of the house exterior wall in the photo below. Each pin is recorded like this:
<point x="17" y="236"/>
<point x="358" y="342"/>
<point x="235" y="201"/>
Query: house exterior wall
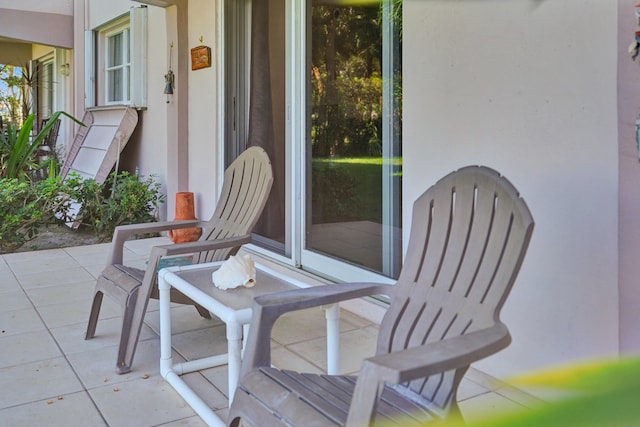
<point x="204" y="146"/>
<point x="55" y="29"/>
<point x="150" y="154"/>
<point x="61" y="7"/>
<point x="147" y="150"/>
<point x="528" y="88"/>
<point x="629" y="194"/>
<point x="159" y="144"/>
<point x="14" y="53"/>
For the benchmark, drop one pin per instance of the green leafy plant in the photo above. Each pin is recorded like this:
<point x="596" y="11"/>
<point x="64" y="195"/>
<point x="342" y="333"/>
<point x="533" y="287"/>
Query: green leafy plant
<point x="123" y="199"/>
<point x="18" y="149"/>
<point x="26" y="207"/>
<point x="600" y="393"/>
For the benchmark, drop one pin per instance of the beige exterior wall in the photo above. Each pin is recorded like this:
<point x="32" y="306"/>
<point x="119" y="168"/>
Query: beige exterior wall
<point x="629" y="193"/>
<point x="150" y="155"/>
<point x="148" y="148"/>
<point x="14" y="53"/>
<point x="62" y="7"/>
<point x="528" y="88"/>
<point x="176" y="140"/>
<point x="204" y="146"/>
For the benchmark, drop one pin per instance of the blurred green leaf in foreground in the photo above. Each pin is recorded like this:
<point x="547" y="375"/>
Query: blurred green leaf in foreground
<point x="603" y="393"/>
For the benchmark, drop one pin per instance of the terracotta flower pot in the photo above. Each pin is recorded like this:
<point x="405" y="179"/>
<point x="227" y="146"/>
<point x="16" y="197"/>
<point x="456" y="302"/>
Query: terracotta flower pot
<point x="185" y="210"/>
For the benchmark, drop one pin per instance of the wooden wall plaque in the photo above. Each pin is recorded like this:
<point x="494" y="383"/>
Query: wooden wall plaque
<point x="200" y="57"/>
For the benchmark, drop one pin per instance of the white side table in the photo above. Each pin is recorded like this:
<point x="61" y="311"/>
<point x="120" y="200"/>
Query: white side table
<point x="233" y="307"/>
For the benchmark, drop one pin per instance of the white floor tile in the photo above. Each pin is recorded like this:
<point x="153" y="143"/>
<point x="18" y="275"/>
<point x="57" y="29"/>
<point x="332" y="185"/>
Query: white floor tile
<point x="71" y="337"/>
<point x="8" y="282"/>
<point x="98" y="367"/>
<point x="20" y="321"/>
<point x="184" y="318"/>
<point x="29" y="382"/>
<point x="72" y="409"/>
<point x="354" y="346"/>
<point x="13" y="300"/>
<point x="66" y="276"/>
<point x="82" y="292"/>
<point x="283" y="358"/>
<point x="53" y="260"/>
<point x="123" y="406"/>
<point x="487" y="405"/>
<point x="300" y="326"/>
<point x="201" y="343"/>
<point x="27" y="347"/>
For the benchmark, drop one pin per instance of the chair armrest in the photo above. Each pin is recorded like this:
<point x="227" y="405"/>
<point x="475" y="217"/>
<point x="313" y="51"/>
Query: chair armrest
<point x="268" y="308"/>
<point x="420" y="362"/>
<point x="441" y="356"/>
<point x="201" y="246"/>
<point x="123" y="232"/>
<point x="157" y="252"/>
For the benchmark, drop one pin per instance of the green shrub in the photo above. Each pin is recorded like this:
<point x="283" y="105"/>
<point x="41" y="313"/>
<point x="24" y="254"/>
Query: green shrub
<point x="18" y="148"/>
<point x="122" y="199"/>
<point x="26" y="207"/>
<point x="333" y="193"/>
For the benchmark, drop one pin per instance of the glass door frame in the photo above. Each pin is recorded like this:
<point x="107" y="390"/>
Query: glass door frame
<point x="296" y="95"/>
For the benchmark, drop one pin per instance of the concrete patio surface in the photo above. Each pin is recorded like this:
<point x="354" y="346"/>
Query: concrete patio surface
<point x="51" y="376"/>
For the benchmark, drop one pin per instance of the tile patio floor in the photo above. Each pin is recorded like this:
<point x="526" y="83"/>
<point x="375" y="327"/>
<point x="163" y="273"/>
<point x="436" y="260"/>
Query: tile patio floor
<point x="51" y="376"/>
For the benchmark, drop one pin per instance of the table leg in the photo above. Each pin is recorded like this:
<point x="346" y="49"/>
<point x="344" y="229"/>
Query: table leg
<point x="166" y="361"/>
<point x="332" y="314"/>
<point x="234" y="343"/>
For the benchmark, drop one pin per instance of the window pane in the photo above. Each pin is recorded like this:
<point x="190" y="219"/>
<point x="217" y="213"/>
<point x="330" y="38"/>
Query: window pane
<point x="114" y="85"/>
<point x="355" y="164"/>
<point x="126" y="46"/>
<point x="115" y="43"/>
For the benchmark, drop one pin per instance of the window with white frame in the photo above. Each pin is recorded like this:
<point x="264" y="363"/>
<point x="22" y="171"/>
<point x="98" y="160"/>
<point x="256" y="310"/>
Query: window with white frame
<point x="117" y="51"/>
<point x="117" y="66"/>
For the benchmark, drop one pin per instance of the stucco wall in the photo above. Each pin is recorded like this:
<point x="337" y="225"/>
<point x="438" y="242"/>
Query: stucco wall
<point x="14" y="53"/>
<point x="54" y="29"/>
<point x="629" y="200"/>
<point x="151" y="154"/>
<point x="203" y="99"/>
<point x="63" y="7"/>
<point x="101" y="12"/>
<point x="528" y="88"/>
<point x="147" y="149"/>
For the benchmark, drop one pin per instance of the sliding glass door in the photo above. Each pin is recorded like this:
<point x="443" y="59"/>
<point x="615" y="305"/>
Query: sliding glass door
<point x="318" y="84"/>
<point x="354" y="164"/>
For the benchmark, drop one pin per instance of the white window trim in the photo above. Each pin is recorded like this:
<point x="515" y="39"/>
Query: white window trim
<point x="134" y="25"/>
<point x="124" y="65"/>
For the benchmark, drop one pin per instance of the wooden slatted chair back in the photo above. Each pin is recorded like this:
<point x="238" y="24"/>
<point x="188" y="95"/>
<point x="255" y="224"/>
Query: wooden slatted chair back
<point x="245" y="191"/>
<point x="52" y="137"/>
<point x="469" y="234"/>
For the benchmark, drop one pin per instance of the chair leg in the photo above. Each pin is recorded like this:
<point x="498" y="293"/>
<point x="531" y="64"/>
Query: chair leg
<point x="203" y="311"/>
<point x="93" y="316"/>
<point x="127" y="348"/>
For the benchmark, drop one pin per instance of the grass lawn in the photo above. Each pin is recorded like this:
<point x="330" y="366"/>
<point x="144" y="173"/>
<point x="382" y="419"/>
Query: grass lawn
<point x="363" y="176"/>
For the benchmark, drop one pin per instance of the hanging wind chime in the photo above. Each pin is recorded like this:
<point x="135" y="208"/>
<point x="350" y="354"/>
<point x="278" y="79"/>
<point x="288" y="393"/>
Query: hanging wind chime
<point x="169" y="78"/>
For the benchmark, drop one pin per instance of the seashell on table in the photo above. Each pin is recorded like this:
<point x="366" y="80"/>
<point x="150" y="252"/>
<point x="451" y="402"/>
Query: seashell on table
<point x="237" y="271"/>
